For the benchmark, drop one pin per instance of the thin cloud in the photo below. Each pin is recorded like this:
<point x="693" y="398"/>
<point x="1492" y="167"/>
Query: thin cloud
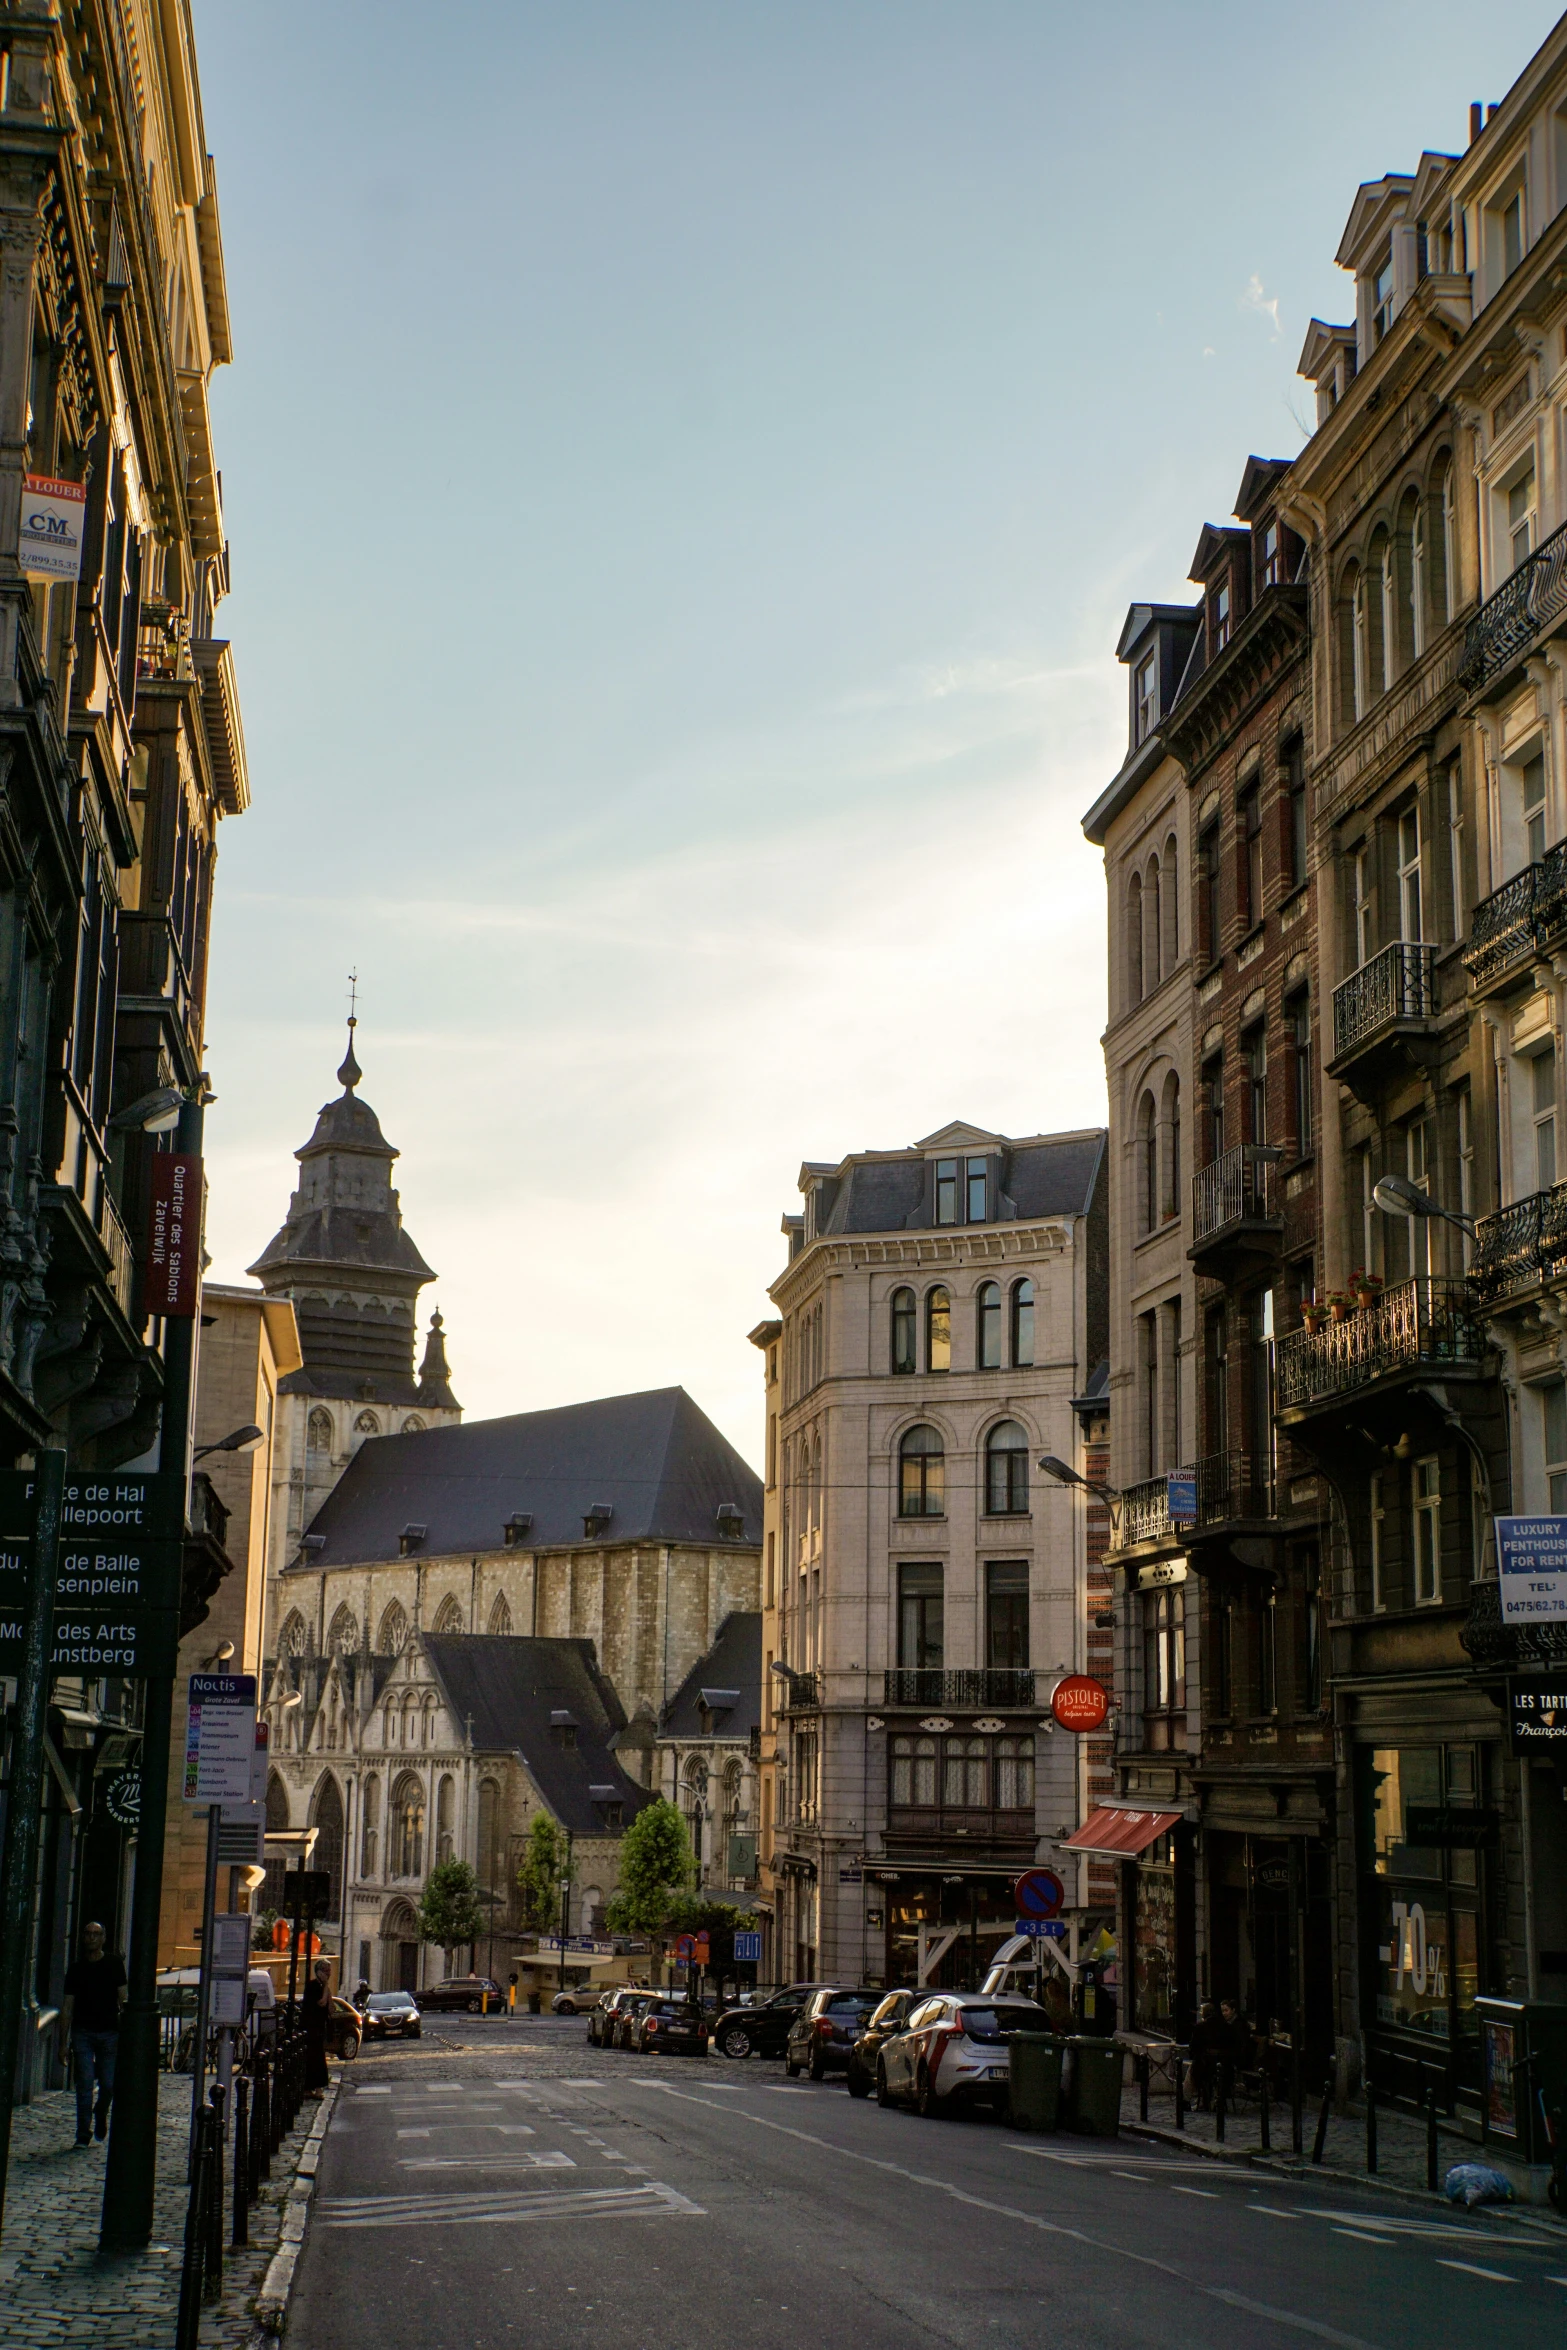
<point x="1266" y="305"/>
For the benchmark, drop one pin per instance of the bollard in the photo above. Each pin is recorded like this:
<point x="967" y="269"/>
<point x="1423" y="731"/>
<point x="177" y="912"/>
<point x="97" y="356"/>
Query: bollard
<point x="212" y="2257"/>
<point x="188" y="2322"/>
<point x="1143" y="2066"/>
<point x="1433" y="2160"/>
<point x="261" y="2124"/>
<point x="1265" y="2115"/>
<point x="1321" y="2138"/>
<point x="1219" y="2096"/>
<point x="1371" y="2125"/>
<point x="1297" y="2101"/>
<point x="241" y="2229"/>
<point x="1180" y="2088"/>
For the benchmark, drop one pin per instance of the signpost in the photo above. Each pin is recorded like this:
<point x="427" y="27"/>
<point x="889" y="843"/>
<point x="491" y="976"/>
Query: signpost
<point x="41" y="1506"/>
<point x="220" y="1760"/>
<point x="1080" y="1703"/>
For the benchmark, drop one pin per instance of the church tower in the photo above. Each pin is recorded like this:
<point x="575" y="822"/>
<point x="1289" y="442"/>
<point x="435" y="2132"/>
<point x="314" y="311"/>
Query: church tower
<point x="353" y="1276"/>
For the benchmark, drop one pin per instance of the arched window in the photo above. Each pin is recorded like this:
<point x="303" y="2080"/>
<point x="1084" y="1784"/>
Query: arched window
<point x="367" y="1425"/>
<point x="343" y="1638"/>
<point x="1147" y="1165"/>
<point x="294" y="1638"/>
<point x="1170" y="946"/>
<point x="448" y="1616"/>
<point x="369" y="1826"/>
<point x="987" y="1346"/>
<point x="1170" y="1189"/>
<point x="1134" y="939"/>
<point x="428" y="1727"/>
<point x="592" y="1909"/>
<point x="389" y="1735"/>
<point x="1153" y="914"/>
<point x="938" y="1330"/>
<point x="1381" y="615"/>
<point x="733" y="1781"/>
<point x="922" y="1475"/>
<point x="1354" y="655"/>
<point x="1411" y="554"/>
<point x="407" y="1827"/>
<point x="1444" y="544"/>
<point x="393" y="1635"/>
<point x="1006" y="1470"/>
<point x="492" y="1855"/>
<point x="277" y="1821"/>
<point x="318" y="1432"/>
<point x="903" y="1320"/>
<point x="412" y="1426"/>
<point x="445" y="1817"/>
<point x="1022" y="1323"/>
<point x="410" y="1720"/>
<point x="500" y="1618"/>
<point x="326" y="1817"/>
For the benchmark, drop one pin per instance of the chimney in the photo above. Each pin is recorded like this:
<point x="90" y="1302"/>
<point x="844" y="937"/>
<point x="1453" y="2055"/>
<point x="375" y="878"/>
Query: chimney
<point x="1474" y="120"/>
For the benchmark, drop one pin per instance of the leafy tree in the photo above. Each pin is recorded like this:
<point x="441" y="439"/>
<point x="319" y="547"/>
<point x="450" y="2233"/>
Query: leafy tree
<point x="655" y="1868"/>
<point x="261" y="1929"/>
<point x="719" y="1920"/>
<point x="450" y="1911"/>
<point x="543" y="1873"/>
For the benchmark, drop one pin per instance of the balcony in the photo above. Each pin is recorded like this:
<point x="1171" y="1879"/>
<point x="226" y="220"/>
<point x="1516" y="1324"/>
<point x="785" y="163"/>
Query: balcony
<point x="802" y="1694"/>
<point x="972" y="1686"/>
<point x="1495" y="1645"/>
<point x="1517" y="921"/>
<point x="1230" y="1485"/>
<point x="1520" y="1246"/>
<point x="1424" y="1325"/>
<point x="1507" y="624"/>
<point x="1236" y="1215"/>
<point x="1382" y="1013"/>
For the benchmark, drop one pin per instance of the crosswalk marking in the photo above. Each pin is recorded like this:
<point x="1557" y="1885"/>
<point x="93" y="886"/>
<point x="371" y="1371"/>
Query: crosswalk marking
<point x="654" y="2201"/>
<point x="1359" y="2236"/>
<point x="1497" y="2276"/>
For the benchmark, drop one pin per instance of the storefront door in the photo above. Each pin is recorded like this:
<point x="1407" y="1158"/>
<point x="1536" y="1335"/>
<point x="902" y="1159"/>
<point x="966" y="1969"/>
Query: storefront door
<point x="1423" y="1947"/>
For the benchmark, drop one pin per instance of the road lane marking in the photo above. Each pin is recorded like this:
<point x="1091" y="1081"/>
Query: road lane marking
<point x="1154" y="2169"/>
<point x="1206" y="2193"/>
<point x="490" y="2162"/>
<point x="413" y="2133"/>
<point x="1045" y="2227"/>
<point x="383" y="2091"/>
<point x="511" y="2129"/>
<point x="1497" y="2276"/>
<point x="1359" y="2236"/>
<point x="1137" y="2177"/>
<point x="654" y="2201"/>
<point x="1269" y="2211"/>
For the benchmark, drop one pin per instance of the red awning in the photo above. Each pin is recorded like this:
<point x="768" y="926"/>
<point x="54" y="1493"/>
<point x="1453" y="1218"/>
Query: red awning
<point x="1115" y="1829"/>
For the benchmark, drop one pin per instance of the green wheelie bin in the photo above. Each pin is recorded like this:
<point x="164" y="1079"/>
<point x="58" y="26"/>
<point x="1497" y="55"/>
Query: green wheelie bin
<point x="1034" y="2080"/>
<point x="1092" y="2099"/>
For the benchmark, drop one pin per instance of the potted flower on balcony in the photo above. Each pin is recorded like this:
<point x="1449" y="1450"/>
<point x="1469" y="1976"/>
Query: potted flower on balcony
<point x="1313" y="1313"/>
<point x="1365" y="1288"/>
<point x="1340" y="1304"/>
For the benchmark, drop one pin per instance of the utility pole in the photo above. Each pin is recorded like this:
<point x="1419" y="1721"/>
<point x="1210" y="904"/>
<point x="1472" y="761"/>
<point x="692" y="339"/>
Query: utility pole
<point x="565" y="1909"/>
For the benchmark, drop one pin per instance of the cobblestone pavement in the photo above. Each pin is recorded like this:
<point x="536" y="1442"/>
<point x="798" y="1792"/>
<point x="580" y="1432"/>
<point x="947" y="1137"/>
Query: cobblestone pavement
<point x="54" y="2286"/>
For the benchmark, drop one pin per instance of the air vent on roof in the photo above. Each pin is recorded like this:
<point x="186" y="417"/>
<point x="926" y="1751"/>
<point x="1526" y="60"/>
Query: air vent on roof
<point x="597" y="1518"/>
<point x="310" y="1544"/>
<point x="603" y="1794"/>
<point x="731" y="1520"/>
<point x="562" y="1713"/>
<point x="410" y="1538"/>
<point x="517" y="1528"/>
<point x="719" y="1700"/>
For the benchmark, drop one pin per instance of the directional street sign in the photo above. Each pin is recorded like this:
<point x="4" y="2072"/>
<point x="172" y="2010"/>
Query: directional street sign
<point x="748" y="1949"/>
<point x="220" y="1742"/>
<point x="117" y="1586"/>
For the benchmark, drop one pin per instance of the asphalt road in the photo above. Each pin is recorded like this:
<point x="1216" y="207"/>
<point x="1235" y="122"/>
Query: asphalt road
<point x="502" y="2184"/>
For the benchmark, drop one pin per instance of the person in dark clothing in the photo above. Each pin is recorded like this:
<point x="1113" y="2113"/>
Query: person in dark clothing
<point x="90" y="2023"/>
<point x="318" y="2009"/>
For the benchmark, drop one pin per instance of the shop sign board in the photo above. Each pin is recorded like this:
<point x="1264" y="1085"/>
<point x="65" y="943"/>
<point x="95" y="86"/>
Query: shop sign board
<point x="1181" y="1497"/>
<point x="49" y="539"/>
<point x="1531" y="1565"/>
<point x="1537" y="1713"/>
<point x="1080" y="1703"/>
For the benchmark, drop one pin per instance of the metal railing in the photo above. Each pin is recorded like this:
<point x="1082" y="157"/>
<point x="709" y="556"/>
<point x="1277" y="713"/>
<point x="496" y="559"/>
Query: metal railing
<point x="1508" y="622"/>
<point x="1490" y="1640"/>
<point x="1229" y="1485"/>
<point x="1234" y="1188"/>
<point x="1516" y="919"/>
<point x="1396" y="984"/>
<point x="1521" y="1244"/>
<point x="1421" y="1321"/>
<point x="972" y="1685"/>
<point x="801" y="1692"/>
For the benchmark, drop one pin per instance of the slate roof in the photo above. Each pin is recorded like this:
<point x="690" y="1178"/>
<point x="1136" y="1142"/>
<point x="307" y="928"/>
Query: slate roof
<point x="510" y="1688"/>
<point x="1045" y="1175"/>
<point x="655" y="1458"/>
<point x="734" y="1662"/>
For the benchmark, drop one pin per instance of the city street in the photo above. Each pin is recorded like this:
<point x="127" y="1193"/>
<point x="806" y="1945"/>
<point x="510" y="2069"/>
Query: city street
<point x="506" y="2184"/>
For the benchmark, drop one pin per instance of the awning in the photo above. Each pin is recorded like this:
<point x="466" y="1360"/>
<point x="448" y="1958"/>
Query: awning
<point x="1125" y="1833"/>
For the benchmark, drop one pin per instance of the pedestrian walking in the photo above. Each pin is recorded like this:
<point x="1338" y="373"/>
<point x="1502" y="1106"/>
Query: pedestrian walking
<point x="318" y="2010"/>
<point x="90" y="2025"/>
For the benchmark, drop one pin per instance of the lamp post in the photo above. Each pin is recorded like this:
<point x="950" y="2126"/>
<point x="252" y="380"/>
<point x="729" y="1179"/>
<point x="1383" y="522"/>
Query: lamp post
<point x="565" y="1909"/>
<point x="1395" y="1195"/>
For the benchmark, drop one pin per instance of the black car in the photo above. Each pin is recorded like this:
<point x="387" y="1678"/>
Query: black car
<point x="825" y="2030"/>
<point x="761" y="2030"/>
<point x="669" y="2027"/>
<point x="891" y="2016"/>
<point x="465" y="1991"/>
<point x="391" y="2015"/>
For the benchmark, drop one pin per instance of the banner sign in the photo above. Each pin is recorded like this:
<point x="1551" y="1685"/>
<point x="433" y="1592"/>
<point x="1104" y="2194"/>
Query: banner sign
<point x="173" y="1273"/>
<point x="220" y="1741"/>
<point x="54" y="513"/>
<point x="1531" y="1564"/>
<point x="1181" y="1497"/>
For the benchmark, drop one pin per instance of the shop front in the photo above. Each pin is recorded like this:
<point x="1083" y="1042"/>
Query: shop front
<point x="1157" y="1909"/>
<point x="941" y="1927"/>
<point x="1270" y="1930"/>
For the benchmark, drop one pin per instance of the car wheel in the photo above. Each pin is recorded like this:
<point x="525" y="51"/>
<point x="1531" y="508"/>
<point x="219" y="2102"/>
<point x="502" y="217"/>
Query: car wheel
<point x="736" y="2041"/>
<point x="473" y="2007"/>
<point x="417" y="2033"/>
<point x="816" y="2069"/>
<point x="856" y="2083"/>
<point x="924" y="2094"/>
<point x="350" y="2047"/>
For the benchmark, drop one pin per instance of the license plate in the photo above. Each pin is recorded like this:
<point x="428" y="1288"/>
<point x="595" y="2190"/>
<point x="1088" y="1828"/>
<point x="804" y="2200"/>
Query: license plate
<point x="996" y="2072"/>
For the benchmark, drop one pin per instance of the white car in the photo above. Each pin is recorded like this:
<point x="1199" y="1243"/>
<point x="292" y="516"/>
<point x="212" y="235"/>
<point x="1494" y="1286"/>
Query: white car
<point x="953" y="2051"/>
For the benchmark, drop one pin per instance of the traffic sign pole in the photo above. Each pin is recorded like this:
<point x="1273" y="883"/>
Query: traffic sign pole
<point x="19" y="1865"/>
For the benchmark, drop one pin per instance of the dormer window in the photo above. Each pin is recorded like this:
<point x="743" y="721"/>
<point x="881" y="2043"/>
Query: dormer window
<point x="1270" y="557"/>
<point x="1512" y="233"/>
<point x="563" y="1729"/>
<point x="1382" y="301"/>
<point x="946" y="1191"/>
<point x="978" y="1191"/>
<point x="1219" y="617"/>
<point x="1145" y="698"/>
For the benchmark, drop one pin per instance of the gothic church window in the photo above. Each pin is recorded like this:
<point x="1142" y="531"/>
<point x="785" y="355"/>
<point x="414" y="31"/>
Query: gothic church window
<point x="448" y="1616"/>
<point x="500" y="1618"/>
<point x="394" y="1631"/>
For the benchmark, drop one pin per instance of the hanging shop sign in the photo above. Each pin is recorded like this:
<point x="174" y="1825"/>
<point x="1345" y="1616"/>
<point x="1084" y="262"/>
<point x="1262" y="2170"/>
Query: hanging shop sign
<point x="173" y="1272"/>
<point x="1531" y="1565"/>
<point x="122" y="1799"/>
<point x="1160" y="1573"/>
<point x="1080" y="1703"/>
<point x="1537" y="1713"/>
<point x="1180" y="1488"/>
<point x="54" y="513"/>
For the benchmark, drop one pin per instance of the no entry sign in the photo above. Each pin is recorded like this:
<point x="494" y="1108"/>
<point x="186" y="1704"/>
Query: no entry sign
<point x="1038" y="1894"/>
<point x="1080" y="1702"/>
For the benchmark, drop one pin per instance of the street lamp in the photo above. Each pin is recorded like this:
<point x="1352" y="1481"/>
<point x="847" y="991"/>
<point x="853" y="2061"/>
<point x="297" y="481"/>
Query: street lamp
<point x="1065" y="1474"/>
<point x="237" y="1440"/>
<point x="1395" y="1195"/>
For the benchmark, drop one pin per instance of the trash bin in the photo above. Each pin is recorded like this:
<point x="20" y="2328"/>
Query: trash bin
<point x="1091" y="2086"/>
<point x="1523" y="2046"/>
<point x="1034" y="2080"/>
<point x="535" y="2002"/>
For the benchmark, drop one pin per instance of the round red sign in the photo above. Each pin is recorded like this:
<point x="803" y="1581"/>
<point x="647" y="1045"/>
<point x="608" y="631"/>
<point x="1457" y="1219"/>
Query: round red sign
<point x="1080" y="1702"/>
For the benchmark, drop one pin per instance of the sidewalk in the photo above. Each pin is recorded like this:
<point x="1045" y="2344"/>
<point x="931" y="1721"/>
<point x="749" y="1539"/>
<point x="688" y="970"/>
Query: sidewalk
<point x="54" y="2287"/>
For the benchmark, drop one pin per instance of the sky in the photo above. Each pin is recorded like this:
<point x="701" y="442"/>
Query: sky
<point x="686" y="465"/>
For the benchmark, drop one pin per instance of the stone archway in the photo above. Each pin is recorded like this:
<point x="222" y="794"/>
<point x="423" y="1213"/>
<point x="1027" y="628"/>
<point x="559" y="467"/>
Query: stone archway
<point x="399" y="1947"/>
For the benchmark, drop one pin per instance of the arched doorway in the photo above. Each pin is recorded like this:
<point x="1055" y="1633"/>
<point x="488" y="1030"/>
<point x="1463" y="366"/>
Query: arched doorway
<point x="326" y="1817"/>
<point x="399" y="1947"/>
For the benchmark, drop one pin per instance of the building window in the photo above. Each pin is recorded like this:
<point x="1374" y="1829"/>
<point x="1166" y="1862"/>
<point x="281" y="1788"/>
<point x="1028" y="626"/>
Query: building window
<point x="911" y="1777"/>
<point x="1542" y="1097"/>
<point x="1210" y="900"/>
<point x="922" y="1475"/>
<point x="1268" y="1654"/>
<point x="772" y="1570"/>
<point x="920" y="1615"/>
<point x="1417" y="578"/>
<point x="1022" y="1324"/>
<point x="1145" y="697"/>
<point x="1553" y="1419"/>
<point x="1381" y="301"/>
<point x="1014" y="1773"/>
<point x="1512" y="233"/>
<point x="1170" y="1190"/>
<point x="1466" y="1166"/>
<point x="1213" y="1104"/>
<point x="978" y="1191"/>
<point x="1148" y="1385"/>
<point x="1147" y="1165"/>
<point x="938" y="1330"/>
<point x="1297" y="1021"/>
<point x="408" y="1821"/>
<point x="1295" y="812"/>
<point x="987" y="1337"/>
<point x="946" y="1191"/>
<point x="1311" y="1582"/>
<point x="903" y="1320"/>
<point x="1219" y="618"/>
<point x="1164" y="1667"/>
<point x="1006" y="1614"/>
<point x="1417" y="1165"/>
<point x="1360" y="666"/>
<point x="1425" y="1480"/>
<point x="1532" y="794"/>
<point x="1216" y="1365"/>
<point x="1360" y="906"/>
<point x="370" y="1826"/>
<point x="445" y="1812"/>
<point x="1006" y="1470"/>
<point x="1134" y="939"/>
<point x="1455" y="843"/>
<point x="1270" y="560"/>
<point x="1223" y="1620"/>
<point x="1521" y="519"/>
<point x="1375" y="1521"/>
<point x="1249" y="818"/>
<point x="1410" y="890"/>
<point x="1254" y="1049"/>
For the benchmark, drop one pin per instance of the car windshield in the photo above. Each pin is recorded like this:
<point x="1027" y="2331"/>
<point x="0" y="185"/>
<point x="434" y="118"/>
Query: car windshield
<point x="891" y="2009"/>
<point x="850" y="2003"/>
<point x="388" y="2002"/>
<point x="994" y="2023"/>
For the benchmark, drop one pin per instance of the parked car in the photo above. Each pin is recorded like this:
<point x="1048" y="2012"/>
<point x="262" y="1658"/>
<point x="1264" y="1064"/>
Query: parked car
<point x="763" y="2029"/>
<point x="601" y="2012"/>
<point x="669" y="2027"/>
<point x="570" y="2002"/>
<point x="953" y="2051"/>
<point x="824" y="2031"/>
<point x="344" y="2030"/>
<point x="463" y="1991"/>
<point x="859" y="2070"/>
<point x="391" y="2015"/>
<point x="627" y="2016"/>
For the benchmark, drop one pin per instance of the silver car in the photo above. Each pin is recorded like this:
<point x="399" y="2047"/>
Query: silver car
<point x="953" y="2051"/>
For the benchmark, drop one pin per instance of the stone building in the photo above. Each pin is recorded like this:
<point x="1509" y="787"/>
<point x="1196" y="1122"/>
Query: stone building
<point x="709" y="1755"/>
<point x="942" y="1310"/>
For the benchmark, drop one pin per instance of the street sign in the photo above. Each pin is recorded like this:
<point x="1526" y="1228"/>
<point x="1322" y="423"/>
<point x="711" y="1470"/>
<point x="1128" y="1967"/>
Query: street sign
<point x="1054" y="1929"/>
<point x="701" y="1949"/>
<point x="1180" y="1488"/>
<point x="172" y="1272"/>
<point x="100" y="1640"/>
<point x="748" y="1949"/>
<point x="684" y="1945"/>
<point x="1537" y="1713"/>
<point x="1080" y="1703"/>
<point x="1038" y="1893"/>
<point x="220" y="1741"/>
<point x="117" y="1580"/>
<point x="1531" y="1565"/>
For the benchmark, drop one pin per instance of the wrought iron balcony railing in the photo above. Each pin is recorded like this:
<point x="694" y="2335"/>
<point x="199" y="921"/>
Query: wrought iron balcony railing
<point x="1490" y="1640"/>
<point x="801" y="1693"/>
<point x="978" y="1685"/>
<point x="1394" y="985"/>
<point x="1508" y="926"/>
<point x="1421" y="1321"/>
<point x="1507" y="623"/>
<point x="1521" y="1244"/>
<point x="1235" y="1188"/>
<point x="1229" y="1485"/>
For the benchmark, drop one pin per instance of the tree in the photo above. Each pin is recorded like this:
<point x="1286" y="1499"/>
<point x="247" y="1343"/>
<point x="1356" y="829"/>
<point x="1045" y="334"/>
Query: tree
<point x="543" y="1873"/>
<point x="719" y="1920"/>
<point x="655" y="1866"/>
<point x="450" y="1911"/>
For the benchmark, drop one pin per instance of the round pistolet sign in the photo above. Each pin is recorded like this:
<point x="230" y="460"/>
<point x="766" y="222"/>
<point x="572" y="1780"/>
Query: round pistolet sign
<point x="1080" y="1702"/>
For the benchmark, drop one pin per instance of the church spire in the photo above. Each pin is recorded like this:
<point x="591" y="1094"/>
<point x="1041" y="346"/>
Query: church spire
<point x="349" y="1071"/>
<point x="435" y="1374"/>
